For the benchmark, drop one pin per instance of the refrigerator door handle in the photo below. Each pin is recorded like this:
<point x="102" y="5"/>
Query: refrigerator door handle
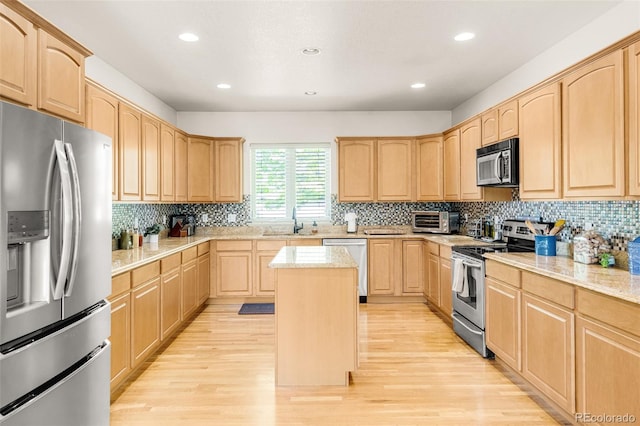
<point x="77" y="217"/>
<point x="67" y="220"/>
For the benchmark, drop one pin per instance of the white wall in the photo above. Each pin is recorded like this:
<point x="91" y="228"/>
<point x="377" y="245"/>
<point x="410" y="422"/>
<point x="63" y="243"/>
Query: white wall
<point x="309" y="127"/>
<point x="605" y="30"/>
<point x="103" y="73"/>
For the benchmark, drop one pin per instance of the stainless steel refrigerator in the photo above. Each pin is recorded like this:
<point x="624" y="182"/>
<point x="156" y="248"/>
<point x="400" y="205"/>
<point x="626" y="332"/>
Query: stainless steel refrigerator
<point x="55" y="271"/>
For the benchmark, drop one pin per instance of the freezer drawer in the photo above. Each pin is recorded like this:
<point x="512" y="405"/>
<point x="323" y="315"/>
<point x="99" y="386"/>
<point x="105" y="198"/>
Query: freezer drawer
<point x="34" y="363"/>
<point x="79" y="396"/>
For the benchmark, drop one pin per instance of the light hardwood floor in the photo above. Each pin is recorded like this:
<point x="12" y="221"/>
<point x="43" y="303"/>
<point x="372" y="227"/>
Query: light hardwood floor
<point x="413" y="371"/>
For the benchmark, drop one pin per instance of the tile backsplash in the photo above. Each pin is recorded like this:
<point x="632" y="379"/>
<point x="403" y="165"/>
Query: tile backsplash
<point x="618" y="221"/>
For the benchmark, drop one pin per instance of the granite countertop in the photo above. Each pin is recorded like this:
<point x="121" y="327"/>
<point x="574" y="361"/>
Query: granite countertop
<point x="313" y="257"/>
<point x="614" y="282"/>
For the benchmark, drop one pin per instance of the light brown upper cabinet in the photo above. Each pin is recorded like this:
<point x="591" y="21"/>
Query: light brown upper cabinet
<point x="395" y="169"/>
<point x="181" y="186"/>
<point x="500" y="123"/>
<point x="451" y="165"/>
<point x="228" y="170"/>
<point x="540" y="144"/>
<point x="150" y="159"/>
<point x="356" y="169"/>
<point x="167" y="162"/>
<point x="18" y="51"/>
<point x="200" y="154"/>
<point x="60" y="78"/>
<point x="102" y="115"/>
<point x="470" y="140"/>
<point x="130" y="152"/>
<point x="429" y="169"/>
<point x="634" y="121"/>
<point x="593" y="129"/>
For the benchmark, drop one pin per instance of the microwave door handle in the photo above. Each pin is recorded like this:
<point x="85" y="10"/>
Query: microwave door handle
<point x="496" y="165"/>
<point x="77" y="217"/>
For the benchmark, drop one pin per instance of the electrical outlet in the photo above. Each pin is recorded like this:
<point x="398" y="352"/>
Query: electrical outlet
<point x="231" y="218"/>
<point x="205" y="218"/>
<point x="589" y="226"/>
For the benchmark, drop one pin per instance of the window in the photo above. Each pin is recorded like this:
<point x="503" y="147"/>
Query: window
<point x="288" y="176"/>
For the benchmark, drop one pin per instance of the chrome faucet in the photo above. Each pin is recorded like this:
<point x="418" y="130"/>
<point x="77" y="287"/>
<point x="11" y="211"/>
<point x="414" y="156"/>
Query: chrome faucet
<point x="296" y="228"/>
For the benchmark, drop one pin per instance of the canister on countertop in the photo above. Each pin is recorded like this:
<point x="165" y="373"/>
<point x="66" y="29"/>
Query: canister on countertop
<point x="588" y="247"/>
<point x="634" y="256"/>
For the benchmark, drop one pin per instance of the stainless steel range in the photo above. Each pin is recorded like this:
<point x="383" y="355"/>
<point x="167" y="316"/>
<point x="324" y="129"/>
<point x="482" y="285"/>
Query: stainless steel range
<point x="468" y="280"/>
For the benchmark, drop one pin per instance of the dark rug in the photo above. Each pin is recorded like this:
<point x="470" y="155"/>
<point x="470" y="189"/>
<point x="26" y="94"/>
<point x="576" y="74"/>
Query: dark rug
<point x="256" y="308"/>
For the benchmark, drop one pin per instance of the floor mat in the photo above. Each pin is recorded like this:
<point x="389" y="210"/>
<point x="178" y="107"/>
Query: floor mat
<point x="256" y="308"/>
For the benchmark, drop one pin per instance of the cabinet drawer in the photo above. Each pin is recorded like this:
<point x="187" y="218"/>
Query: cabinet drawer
<point x="189" y="254"/>
<point x="445" y="252"/>
<point x="502" y="272"/>
<point x="120" y="284"/>
<point x="170" y="262"/>
<point x="241" y="245"/>
<point x="434" y="248"/>
<point x="548" y="288"/>
<point x="203" y="248"/>
<point x="145" y="273"/>
<point x="270" y="245"/>
<point x="618" y="313"/>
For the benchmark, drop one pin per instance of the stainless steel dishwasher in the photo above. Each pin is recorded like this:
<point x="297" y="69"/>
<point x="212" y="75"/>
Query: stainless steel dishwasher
<point x="357" y="248"/>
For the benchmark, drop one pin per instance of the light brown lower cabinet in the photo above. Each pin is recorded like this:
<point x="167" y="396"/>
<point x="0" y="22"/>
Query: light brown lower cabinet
<point x="433" y="285"/>
<point x="446" y="302"/>
<point x="503" y="322"/>
<point x="170" y="294"/>
<point x="204" y="272"/>
<point x="265" y="277"/>
<point x="120" y="338"/>
<point x="439" y="293"/>
<point x="381" y="263"/>
<point x="234" y="268"/>
<point x="412" y="281"/>
<point x="145" y="320"/>
<point x="189" y="281"/>
<point x="395" y="267"/>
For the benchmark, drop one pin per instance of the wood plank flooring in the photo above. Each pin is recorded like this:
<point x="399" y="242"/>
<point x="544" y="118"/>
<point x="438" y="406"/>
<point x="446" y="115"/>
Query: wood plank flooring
<point x="413" y="371"/>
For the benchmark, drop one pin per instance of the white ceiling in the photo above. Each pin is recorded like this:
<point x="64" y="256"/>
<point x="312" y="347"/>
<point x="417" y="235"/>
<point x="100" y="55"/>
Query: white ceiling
<point x="371" y="50"/>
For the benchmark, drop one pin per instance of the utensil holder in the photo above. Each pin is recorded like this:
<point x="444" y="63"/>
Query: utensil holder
<point x="546" y="245"/>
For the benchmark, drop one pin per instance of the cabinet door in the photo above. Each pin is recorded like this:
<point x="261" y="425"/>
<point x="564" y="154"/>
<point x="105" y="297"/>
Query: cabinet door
<point x="381" y="267"/>
<point x="593" y="129"/>
<point x="429" y="169"/>
<point x="204" y="278"/>
<point x="395" y="171"/>
<point x="265" y="276"/>
<point x="145" y="318"/>
<point x="434" y="280"/>
<point x="181" y="165"/>
<point x="451" y="165"/>
<point x="150" y="159"/>
<point x="489" y="123"/>
<point x="470" y="140"/>
<point x="102" y="115"/>
<point x="18" y="57"/>
<point x="130" y="149"/>
<point x="356" y="170"/>
<point x="503" y="322"/>
<point x="167" y="162"/>
<point x="508" y="120"/>
<point x="233" y="273"/>
<point x="634" y="120"/>
<point x="60" y="78"/>
<point x="228" y="170"/>
<point x="412" y="280"/>
<point x="200" y="169"/>
<point x="171" y="291"/>
<point x="189" y="287"/>
<point x="120" y="338"/>
<point x="540" y="144"/>
<point x="608" y="369"/>
<point x="551" y="370"/>
<point x="446" y="303"/>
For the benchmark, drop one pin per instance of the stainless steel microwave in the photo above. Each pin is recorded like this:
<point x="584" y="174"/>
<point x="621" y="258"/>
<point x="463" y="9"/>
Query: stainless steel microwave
<point x="497" y="164"/>
<point x="435" y="222"/>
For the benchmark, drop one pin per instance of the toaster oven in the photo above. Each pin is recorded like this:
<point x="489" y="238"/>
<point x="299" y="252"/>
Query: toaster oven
<point x="435" y="222"/>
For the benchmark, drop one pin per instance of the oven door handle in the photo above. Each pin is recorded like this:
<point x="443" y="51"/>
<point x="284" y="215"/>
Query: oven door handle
<point x="479" y="333"/>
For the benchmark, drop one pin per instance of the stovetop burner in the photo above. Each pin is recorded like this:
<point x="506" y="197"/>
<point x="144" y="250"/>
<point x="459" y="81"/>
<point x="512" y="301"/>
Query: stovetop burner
<point x="477" y="251"/>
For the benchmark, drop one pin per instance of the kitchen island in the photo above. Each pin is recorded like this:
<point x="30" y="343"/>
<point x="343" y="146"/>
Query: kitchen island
<point x="316" y="316"/>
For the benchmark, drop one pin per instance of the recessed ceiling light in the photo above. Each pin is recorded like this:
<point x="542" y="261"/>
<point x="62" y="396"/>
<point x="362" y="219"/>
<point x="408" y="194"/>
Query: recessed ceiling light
<point x="188" y="37"/>
<point x="310" y="51"/>
<point x="418" y="85"/>
<point x="310" y="93"/>
<point x="223" y="86"/>
<point x="464" y="36"/>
